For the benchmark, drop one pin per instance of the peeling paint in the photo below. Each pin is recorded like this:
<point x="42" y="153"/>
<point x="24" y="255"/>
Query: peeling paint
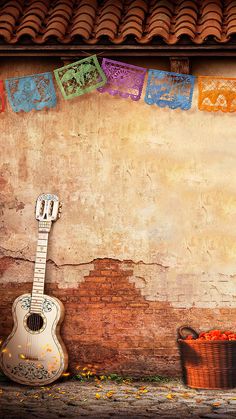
<point x="155" y="282"/>
<point x="153" y="186"/>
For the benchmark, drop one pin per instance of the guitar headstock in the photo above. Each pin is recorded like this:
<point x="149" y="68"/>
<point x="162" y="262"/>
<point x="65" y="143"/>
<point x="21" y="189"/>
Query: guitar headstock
<point x="48" y="208"/>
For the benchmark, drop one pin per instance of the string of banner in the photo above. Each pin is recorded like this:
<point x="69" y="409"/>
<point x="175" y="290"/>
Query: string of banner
<point x="164" y="89"/>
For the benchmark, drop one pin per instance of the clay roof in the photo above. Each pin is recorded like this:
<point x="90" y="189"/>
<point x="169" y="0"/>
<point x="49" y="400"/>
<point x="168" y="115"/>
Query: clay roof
<point x="116" y="21"/>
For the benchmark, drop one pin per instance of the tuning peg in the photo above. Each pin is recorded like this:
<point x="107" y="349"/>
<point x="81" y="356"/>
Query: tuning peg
<point x="59" y="215"/>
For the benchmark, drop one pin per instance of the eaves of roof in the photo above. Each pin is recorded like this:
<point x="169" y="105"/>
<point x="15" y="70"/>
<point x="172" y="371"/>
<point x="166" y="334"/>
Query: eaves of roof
<point x="120" y="27"/>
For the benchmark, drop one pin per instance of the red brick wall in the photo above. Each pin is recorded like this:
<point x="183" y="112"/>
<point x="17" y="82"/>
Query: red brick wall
<point x="109" y="324"/>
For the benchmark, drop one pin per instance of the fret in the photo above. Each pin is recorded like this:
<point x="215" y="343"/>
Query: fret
<point x="36" y="309"/>
<point x="42" y="249"/>
<point x="42" y="242"/>
<point x="37" y="302"/>
<point x="42" y="236"/>
<point x="42" y="255"/>
<point x="39" y="265"/>
<point x="39" y="271"/>
<point x="37" y="299"/>
<point x="44" y="226"/>
<point x="40" y="260"/>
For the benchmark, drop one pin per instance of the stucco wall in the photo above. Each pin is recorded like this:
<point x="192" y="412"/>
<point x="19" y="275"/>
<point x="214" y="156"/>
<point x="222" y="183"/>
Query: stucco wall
<point x="154" y="187"/>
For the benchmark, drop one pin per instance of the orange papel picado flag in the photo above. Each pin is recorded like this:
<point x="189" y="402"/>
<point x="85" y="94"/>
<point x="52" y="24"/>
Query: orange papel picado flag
<point x="216" y="94"/>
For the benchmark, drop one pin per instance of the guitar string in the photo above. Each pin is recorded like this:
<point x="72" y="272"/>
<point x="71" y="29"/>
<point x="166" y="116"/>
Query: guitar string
<point x="45" y="238"/>
<point x="35" y="325"/>
<point x="28" y="336"/>
<point x="27" y="352"/>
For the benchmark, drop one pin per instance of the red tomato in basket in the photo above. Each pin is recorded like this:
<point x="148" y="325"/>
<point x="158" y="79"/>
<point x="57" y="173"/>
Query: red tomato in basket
<point x="207" y="336"/>
<point x="215" y="332"/>
<point x="232" y="336"/>
<point x="223" y="337"/>
<point x="189" y="337"/>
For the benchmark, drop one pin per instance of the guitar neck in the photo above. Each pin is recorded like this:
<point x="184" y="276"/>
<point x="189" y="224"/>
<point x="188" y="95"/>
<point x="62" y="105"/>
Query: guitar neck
<point x="40" y="267"/>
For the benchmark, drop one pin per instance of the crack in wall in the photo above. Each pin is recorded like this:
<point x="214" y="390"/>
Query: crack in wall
<point x="4" y="252"/>
<point x="155" y="281"/>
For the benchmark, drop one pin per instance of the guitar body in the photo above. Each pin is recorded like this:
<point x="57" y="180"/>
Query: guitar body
<point x="34" y="353"/>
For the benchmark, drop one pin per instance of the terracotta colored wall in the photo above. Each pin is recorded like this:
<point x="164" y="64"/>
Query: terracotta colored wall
<point x="147" y="237"/>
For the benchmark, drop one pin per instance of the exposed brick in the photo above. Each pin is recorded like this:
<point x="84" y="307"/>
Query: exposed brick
<point x="95" y="299"/>
<point x="110" y="273"/>
<point x="116" y="298"/>
<point x="85" y="292"/>
<point x="85" y="299"/>
<point x="109" y="323"/>
<point x="97" y="306"/>
<point x="95" y="279"/>
<point x="106" y="298"/>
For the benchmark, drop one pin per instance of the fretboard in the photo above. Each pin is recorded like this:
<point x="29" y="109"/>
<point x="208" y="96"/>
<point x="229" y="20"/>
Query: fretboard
<point x="40" y="267"/>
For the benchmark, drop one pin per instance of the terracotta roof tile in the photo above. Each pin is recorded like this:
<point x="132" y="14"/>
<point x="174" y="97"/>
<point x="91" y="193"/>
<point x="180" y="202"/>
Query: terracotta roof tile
<point x="92" y="21"/>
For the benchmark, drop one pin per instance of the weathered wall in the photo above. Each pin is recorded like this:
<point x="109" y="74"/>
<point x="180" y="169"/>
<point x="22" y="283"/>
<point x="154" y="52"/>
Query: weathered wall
<point x="147" y="238"/>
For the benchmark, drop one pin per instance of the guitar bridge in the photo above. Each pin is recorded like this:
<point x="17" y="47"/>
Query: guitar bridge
<point x="29" y="358"/>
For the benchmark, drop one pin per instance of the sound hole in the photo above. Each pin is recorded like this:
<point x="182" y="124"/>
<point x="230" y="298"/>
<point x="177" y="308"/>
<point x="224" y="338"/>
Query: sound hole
<point x="35" y="322"/>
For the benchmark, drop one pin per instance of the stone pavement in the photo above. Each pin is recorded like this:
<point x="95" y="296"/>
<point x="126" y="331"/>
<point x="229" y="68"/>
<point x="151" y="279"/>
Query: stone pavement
<point x="105" y="399"/>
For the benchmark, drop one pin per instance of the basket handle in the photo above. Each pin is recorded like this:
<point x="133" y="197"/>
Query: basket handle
<point x="181" y="335"/>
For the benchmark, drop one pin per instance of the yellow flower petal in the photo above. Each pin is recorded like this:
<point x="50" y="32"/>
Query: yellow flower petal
<point x="170" y="396"/>
<point x="65" y="374"/>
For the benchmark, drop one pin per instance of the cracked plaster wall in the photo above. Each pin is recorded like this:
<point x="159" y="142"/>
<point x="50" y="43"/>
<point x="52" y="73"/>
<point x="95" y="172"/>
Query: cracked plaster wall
<point x="138" y="183"/>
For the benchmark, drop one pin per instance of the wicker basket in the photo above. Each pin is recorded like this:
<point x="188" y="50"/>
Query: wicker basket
<point x="207" y="364"/>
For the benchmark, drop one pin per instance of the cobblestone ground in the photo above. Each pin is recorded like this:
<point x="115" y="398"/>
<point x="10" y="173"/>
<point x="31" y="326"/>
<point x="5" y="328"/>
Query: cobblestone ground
<point x="73" y="399"/>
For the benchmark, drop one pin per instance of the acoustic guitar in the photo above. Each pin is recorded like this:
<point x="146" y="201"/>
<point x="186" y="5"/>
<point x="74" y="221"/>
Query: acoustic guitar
<point x="34" y="353"/>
